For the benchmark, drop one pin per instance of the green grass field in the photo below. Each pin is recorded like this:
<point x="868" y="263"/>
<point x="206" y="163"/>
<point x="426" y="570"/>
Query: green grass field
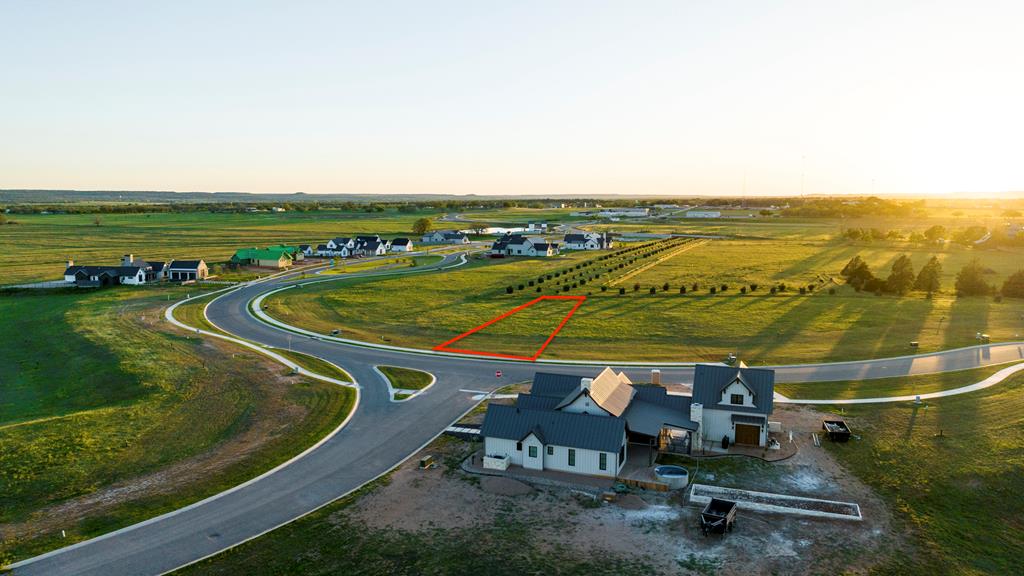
<point x="952" y="473"/>
<point x="406" y="378"/>
<point x="98" y="390"/>
<point x="38" y="246"/>
<point x="882" y="387"/>
<point x="759" y="327"/>
<point x="314" y="364"/>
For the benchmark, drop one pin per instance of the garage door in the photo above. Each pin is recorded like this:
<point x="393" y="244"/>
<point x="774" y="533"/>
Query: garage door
<point x="747" y="434"/>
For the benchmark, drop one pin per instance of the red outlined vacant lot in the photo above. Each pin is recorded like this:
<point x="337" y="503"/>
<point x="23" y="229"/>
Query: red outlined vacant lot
<point x="446" y="347"/>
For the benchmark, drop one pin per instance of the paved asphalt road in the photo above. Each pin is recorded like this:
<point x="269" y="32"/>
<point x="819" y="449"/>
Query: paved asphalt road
<point x="380" y="434"/>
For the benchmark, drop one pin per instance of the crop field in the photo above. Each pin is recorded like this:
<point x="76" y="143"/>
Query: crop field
<point x="98" y="392"/>
<point x="38" y="246"/>
<point x="953" y="472"/>
<point x="668" y="325"/>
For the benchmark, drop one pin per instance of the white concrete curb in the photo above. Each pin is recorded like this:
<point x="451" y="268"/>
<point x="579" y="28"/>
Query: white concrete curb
<point x="986" y="383"/>
<point x="392" y="390"/>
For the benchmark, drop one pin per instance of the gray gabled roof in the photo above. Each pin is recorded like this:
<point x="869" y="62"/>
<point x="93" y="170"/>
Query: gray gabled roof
<point x="648" y="418"/>
<point x="184" y="265"/>
<point x="709" y="380"/>
<point x="575" y="238"/>
<point x="581" y="431"/>
<point x="534" y="402"/>
<point x="400" y="241"/>
<point x="555" y="385"/>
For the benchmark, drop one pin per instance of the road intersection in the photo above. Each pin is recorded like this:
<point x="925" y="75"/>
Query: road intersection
<point x="380" y="434"/>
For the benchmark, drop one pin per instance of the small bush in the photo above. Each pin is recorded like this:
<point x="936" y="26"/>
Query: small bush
<point x="832" y="291"/>
<point x="782" y="287"/>
<point x="773" y="290"/>
<point x="509" y="290"/>
<point x="743" y="289"/>
<point x="565" y="288"/>
<point x="604" y="288"/>
<point x="725" y="287"/>
<point x="636" y="287"/>
<point x="753" y="287"/>
<point x="530" y="282"/>
<point x="538" y="288"/>
<point x="682" y="289"/>
<point x="803" y="290"/>
<point x="810" y="287"/>
<point x="695" y="287"/>
<point x="713" y="290"/>
<point x="653" y="290"/>
<point x="664" y="287"/>
<point x="622" y="291"/>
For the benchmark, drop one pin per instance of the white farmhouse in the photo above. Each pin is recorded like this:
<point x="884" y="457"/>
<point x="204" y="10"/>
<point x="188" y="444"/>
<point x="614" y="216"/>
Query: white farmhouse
<point x="445" y="237"/>
<point x="587" y="241"/>
<point x="401" y="245"/>
<point x="585" y="425"/>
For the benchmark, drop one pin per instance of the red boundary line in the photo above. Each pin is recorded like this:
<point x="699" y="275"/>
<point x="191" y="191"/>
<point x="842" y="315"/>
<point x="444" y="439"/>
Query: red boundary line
<point x="579" y="302"/>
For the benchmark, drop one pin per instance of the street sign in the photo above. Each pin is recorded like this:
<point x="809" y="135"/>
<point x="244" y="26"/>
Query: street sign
<point x="497" y="373"/>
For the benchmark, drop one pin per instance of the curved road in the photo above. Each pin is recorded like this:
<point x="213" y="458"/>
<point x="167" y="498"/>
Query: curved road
<point x="379" y="435"/>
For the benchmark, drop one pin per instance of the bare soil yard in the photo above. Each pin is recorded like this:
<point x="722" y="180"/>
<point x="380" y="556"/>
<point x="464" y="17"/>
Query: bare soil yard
<point x="662" y="530"/>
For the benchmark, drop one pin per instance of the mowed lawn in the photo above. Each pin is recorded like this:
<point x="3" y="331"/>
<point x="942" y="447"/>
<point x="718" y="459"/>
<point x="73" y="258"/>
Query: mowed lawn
<point x="761" y="328"/>
<point x="953" y="473"/>
<point x="98" y="390"/>
<point x="37" y="246"/>
<point x="881" y="387"/>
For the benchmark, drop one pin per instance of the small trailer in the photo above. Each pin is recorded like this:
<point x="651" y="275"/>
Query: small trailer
<point x="719" y="516"/>
<point x="836" y="430"/>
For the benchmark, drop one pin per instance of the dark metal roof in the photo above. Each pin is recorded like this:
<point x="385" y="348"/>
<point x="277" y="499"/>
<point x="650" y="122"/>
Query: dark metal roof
<point x="581" y="431"/>
<point x="399" y="241"/>
<point x="184" y="265"/>
<point x="710" y="379"/>
<point x="535" y="402"/>
<point x="555" y="385"/>
<point x="648" y="418"/>
<point x="575" y="238"/>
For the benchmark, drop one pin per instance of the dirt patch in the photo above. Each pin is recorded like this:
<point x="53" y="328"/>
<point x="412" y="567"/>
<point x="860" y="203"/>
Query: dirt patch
<point x="631" y="502"/>
<point x="662" y="528"/>
<point x="504" y="486"/>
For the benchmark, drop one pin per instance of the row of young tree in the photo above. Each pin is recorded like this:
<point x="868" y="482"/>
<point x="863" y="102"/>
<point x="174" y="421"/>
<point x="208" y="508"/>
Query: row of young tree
<point x="936" y="233"/>
<point x="970" y="280"/>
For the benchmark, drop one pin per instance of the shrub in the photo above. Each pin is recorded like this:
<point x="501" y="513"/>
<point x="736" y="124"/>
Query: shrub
<point x="743" y="289"/>
<point x="574" y="285"/>
<point x="782" y="287"/>
<point x="636" y="287"/>
<point x="604" y="288"/>
<point x="810" y="287"/>
<point x="753" y="287"/>
<point x="530" y="282"/>
<point x="695" y="287"/>
<point x="509" y="290"/>
<point x="832" y="291"/>
<point x="682" y="289"/>
<point x="725" y="287"/>
<point x="713" y="290"/>
<point x="565" y="288"/>
<point x="538" y="288"/>
<point x="803" y="290"/>
<point x="583" y="281"/>
<point x="653" y="290"/>
<point x="622" y="291"/>
<point x="664" y="287"/>
<point x="773" y="290"/>
<point x="521" y="286"/>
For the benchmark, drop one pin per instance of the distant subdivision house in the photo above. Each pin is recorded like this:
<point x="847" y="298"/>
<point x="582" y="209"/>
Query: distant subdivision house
<point x="445" y="237"/>
<point x="186" y="270"/>
<point x="587" y="241"/>
<point x="401" y="245"/>
<point x="132" y="271"/>
<point x="518" y="245"/>
<point x="263" y="258"/>
<point x="585" y="425"/>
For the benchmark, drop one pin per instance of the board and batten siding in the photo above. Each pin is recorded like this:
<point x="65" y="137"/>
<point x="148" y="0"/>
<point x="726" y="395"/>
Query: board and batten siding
<point x="587" y="461"/>
<point x="718" y="423"/>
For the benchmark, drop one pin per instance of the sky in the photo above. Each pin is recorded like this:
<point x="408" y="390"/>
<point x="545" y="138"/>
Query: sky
<point x="525" y="97"/>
